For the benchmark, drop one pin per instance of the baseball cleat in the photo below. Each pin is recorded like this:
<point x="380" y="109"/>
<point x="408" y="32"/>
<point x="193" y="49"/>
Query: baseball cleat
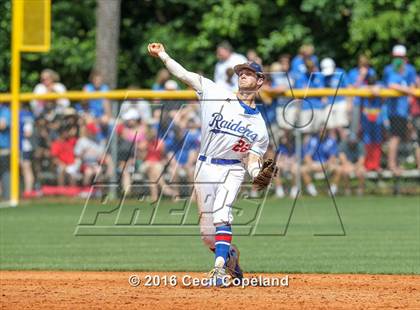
<point x="218" y="277"/>
<point x="232" y="264"/>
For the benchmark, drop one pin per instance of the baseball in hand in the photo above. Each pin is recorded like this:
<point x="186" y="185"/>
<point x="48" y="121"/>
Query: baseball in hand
<point x="155" y="48"/>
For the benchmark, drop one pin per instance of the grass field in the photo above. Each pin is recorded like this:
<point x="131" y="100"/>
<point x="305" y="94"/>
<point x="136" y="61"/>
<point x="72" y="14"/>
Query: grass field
<point x="381" y="235"/>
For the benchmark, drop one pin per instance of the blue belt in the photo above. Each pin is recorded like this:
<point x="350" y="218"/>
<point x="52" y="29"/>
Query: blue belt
<point x="220" y="161"/>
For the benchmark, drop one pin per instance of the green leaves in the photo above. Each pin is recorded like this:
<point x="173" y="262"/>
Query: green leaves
<point x="280" y="40"/>
<point x="191" y="30"/>
<point x="377" y="25"/>
<point x="72" y="52"/>
<point x="226" y="19"/>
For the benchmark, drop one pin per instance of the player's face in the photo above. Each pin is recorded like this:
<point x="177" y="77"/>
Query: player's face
<point x="248" y="80"/>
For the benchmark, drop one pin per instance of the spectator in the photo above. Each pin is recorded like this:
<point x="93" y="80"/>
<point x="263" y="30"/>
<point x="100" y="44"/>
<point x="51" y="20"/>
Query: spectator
<point x="359" y="75"/>
<point x="92" y="155"/>
<point x="319" y="151"/>
<point x="283" y="80"/>
<point x="415" y="112"/>
<point x="306" y="52"/>
<point x="252" y="56"/>
<point x="229" y="84"/>
<point x="286" y="162"/>
<point x="98" y="108"/>
<point x="312" y="109"/>
<point x="43" y="139"/>
<point x="50" y="83"/>
<point x="132" y="132"/>
<point x="161" y="77"/>
<point x="352" y="158"/>
<point x="62" y="152"/>
<point x="142" y="107"/>
<point x="5" y="151"/>
<point x="171" y="85"/>
<point x="372" y="119"/>
<point x="182" y="146"/>
<point x="170" y="110"/>
<point x="399" y="77"/>
<point x="399" y="54"/>
<point x="154" y="148"/>
<point x="337" y="112"/>
<point x="227" y="59"/>
<point x="268" y="105"/>
<point x="27" y="151"/>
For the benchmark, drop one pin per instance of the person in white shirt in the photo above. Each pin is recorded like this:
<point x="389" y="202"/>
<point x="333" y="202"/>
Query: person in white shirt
<point x="231" y="82"/>
<point x="92" y="156"/>
<point x="140" y="106"/>
<point x="50" y="83"/>
<point x="234" y="139"/>
<point x="227" y="59"/>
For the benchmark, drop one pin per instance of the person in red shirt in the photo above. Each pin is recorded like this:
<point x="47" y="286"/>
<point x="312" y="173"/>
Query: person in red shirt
<point x="153" y="150"/>
<point x="62" y="152"/>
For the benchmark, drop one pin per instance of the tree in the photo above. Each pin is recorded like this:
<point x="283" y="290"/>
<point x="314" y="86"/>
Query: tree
<point x="341" y="29"/>
<point x="72" y="52"/>
<point x="107" y="39"/>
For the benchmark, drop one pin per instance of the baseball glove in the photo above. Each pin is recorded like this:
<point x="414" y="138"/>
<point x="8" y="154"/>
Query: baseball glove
<point x="267" y="172"/>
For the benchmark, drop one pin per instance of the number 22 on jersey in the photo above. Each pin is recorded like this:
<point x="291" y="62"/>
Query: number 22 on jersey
<point x="241" y="146"/>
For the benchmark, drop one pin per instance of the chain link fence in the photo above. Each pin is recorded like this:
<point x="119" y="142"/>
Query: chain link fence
<point x="342" y="147"/>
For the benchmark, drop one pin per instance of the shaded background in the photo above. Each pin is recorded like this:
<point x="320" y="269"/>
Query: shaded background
<point x="340" y="29"/>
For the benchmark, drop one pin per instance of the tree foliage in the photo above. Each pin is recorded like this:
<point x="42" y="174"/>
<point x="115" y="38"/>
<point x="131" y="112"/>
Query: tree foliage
<point x="191" y="30"/>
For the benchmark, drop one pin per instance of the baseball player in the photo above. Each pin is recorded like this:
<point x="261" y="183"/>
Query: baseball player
<point x="234" y="140"/>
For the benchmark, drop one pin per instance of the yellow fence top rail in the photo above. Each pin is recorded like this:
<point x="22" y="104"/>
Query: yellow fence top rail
<point x="191" y="95"/>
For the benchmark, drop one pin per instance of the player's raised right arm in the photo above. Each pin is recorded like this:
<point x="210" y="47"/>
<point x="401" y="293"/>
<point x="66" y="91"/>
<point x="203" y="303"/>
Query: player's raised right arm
<point x="190" y="78"/>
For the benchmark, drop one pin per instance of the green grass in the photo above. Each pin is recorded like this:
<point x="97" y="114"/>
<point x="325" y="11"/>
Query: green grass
<point x="382" y="235"/>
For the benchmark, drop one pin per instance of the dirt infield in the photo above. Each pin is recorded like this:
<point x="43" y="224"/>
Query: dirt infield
<point x="111" y="290"/>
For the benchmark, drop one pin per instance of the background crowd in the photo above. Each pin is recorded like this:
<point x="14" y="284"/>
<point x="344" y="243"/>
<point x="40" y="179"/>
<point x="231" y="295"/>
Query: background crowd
<point x="65" y="146"/>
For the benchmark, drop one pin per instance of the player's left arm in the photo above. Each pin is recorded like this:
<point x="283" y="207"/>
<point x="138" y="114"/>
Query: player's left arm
<point x="256" y="154"/>
<point x="254" y="164"/>
<point x="260" y="171"/>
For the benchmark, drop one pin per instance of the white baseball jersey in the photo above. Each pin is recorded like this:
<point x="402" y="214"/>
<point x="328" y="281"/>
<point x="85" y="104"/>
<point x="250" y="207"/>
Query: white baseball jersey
<point x="229" y="131"/>
<point x="229" y="128"/>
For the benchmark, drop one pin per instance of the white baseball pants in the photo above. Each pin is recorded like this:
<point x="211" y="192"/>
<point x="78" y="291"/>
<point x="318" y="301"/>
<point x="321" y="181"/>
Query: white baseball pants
<point x="216" y="187"/>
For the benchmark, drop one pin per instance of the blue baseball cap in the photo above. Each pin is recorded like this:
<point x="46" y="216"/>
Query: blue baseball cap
<point x="253" y="66"/>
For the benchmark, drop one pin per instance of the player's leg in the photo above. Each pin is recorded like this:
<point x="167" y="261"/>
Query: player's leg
<point x="205" y="199"/>
<point x="205" y="186"/>
<point x="222" y="210"/>
<point x="222" y="218"/>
